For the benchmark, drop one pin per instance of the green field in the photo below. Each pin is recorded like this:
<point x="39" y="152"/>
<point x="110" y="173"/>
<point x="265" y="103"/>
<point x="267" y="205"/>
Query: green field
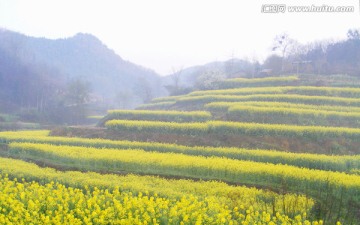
<point x="166" y="163"/>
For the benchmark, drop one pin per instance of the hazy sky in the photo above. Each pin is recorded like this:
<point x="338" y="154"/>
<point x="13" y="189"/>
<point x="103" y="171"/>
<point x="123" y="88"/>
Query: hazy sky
<point x="162" y="34"/>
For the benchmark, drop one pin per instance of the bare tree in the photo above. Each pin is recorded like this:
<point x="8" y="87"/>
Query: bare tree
<point x="176" y="76"/>
<point x="283" y="44"/>
<point x="229" y="66"/>
<point x="143" y="90"/>
<point x="176" y="88"/>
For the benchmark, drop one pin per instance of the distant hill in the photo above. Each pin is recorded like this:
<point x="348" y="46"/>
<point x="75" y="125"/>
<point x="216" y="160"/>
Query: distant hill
<point x="82" y="56"/>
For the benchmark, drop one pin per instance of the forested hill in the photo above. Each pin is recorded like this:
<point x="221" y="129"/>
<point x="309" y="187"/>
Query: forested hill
<point x="31" y="65"/>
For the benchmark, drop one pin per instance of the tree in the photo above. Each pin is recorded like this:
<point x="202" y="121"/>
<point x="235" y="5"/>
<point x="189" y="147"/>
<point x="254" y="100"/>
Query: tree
<point x="175" y="88"/>
<point x="143" y="90"/>
<point x="353" y="34"/>
<point x="78" y="92"/>
<point x="77" y="95"/>
<point x="209" y="79"/>
<point x="230" y="67"/>
<point x="275" y="63"/>
<point x="283" y="43"/>
<point x="176" y="76"/>
<point x="316" y="53"/>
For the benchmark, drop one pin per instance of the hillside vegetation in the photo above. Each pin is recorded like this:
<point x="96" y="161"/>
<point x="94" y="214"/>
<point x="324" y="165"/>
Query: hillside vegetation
<point x="255" y="151"/>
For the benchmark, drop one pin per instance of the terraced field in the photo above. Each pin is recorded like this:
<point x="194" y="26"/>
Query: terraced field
<point x="179" y="166"/>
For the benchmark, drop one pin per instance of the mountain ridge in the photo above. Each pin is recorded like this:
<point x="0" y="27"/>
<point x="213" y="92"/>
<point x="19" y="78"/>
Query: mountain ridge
<point x="82" y="56"/>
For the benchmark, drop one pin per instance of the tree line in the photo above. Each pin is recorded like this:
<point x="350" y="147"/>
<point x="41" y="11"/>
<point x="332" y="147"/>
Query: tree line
<point x="37" y="94"/>
<point x="323" y="57"/>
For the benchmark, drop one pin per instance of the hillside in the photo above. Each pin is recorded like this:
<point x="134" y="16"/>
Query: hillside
<point x="266" y="150"/>
<point x="59" y="61"/>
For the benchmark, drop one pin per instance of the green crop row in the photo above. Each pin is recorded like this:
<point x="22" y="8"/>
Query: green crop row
<point x="157" y="105"/>
<point x="257" y="82"/>
<point x="341" y="189"/>
<point x="300" y="90"/>
<point x="164" y="100"/>
<point x="238" y="82"/>
<point x="182" y="165"/>
<point x="315" y="100"/>
<point x="158" y="126"/>
<point x="248" y="113"/>
<point x="211" y="198"/>
<point x="157" y="115"/>
<point x="224" y="106"/>
<point x="235" y="128"/>
<point x="346" y="92"/>
<point x="15" y="168"/>
<point x="312" y="161"/>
